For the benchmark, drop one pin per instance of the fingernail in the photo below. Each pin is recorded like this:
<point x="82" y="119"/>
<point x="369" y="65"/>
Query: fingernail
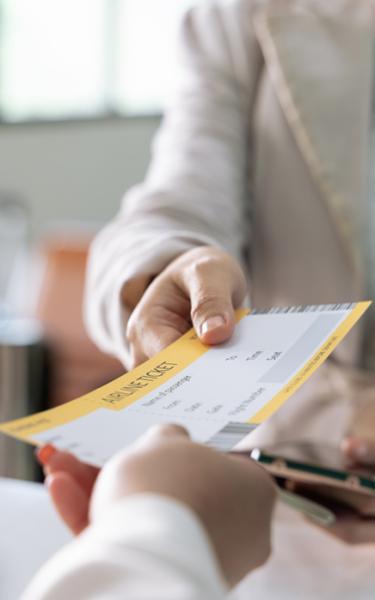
<point x="45" y="454"/>
<point x="212" y="323"/>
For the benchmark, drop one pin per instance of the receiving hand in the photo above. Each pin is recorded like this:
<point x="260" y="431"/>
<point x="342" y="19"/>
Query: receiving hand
<point x="232" y="496"/>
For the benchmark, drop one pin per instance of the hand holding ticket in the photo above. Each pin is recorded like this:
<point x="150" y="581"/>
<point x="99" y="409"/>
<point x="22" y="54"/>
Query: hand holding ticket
<point x="219" y="394"/>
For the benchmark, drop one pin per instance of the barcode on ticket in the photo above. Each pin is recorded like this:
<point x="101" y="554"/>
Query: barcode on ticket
<point x="228" y="437"/>
<point x="304" y="309"/>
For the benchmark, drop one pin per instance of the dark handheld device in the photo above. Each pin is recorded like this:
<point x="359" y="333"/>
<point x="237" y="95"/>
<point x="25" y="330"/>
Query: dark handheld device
<point x="320" y="473"/>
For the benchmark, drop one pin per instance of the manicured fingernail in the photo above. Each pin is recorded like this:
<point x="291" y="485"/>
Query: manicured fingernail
<point x="212" y="323"/>
<point x="45" y="454"/>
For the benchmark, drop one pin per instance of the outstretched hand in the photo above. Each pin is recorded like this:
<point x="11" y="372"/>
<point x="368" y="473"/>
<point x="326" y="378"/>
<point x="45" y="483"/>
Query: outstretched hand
<point x="201" y="288"/>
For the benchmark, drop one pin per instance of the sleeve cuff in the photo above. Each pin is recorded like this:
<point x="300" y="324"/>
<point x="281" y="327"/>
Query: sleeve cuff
<point x="141" y="521"/>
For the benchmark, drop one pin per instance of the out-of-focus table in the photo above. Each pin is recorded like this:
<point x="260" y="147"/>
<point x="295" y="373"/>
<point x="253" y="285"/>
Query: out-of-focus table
<point x="30" y="533"/>
<point x="306" y="563"/>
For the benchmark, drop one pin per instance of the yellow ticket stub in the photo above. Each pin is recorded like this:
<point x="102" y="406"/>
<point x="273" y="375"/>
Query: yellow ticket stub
<point x="220" y="394"/>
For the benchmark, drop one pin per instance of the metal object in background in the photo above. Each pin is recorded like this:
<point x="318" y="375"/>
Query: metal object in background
<point x="21" y="350"/>
<point x="22" y="390"/>
<point x="15" y="257"/>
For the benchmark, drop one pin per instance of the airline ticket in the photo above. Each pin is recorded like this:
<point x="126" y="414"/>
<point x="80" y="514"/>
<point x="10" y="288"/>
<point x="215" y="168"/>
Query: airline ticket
<point x="220" y="394"/>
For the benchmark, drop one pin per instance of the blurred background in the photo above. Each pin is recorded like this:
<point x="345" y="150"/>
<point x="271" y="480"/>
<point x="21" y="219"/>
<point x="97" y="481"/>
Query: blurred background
<point x="83" y="85"/>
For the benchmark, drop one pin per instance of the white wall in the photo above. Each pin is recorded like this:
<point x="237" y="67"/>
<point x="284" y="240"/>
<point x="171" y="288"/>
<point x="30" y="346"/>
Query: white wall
<point x="74" y="171"/>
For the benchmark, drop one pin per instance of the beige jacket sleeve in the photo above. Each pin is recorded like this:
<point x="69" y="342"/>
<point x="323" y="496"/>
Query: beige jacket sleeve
<point x="147" y="547"/>
<point x="196" y="187"/>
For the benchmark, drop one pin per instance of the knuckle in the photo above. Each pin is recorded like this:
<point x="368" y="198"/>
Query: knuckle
<point x="169" y="429"/>
<point x="138" y="323"/>
<point x="205" y="264"/>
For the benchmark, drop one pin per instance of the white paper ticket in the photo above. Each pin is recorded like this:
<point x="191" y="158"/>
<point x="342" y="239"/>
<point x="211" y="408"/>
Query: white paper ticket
<point x="220" y="394"/>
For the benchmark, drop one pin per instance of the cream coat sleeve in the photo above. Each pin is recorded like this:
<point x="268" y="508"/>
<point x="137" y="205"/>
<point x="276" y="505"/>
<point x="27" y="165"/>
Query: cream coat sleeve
<point x="146" y="548"/>
<point x="196" y="187"/>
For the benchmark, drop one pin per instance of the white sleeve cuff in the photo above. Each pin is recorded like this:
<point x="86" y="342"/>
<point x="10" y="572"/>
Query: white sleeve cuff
<point x="143" y="520"/>
<point x="146" y="546"/>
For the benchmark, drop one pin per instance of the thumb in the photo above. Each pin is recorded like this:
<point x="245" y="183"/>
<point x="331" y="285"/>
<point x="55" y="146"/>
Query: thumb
<point x="215" y="289"/>
<point x="214" y="320"/>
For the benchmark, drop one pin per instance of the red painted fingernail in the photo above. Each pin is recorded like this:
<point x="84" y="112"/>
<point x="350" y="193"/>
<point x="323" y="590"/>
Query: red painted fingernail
<point x="45" y="454"/>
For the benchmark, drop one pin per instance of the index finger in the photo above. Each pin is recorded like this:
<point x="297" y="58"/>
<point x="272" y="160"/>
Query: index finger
<point x="58" y="461"/>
